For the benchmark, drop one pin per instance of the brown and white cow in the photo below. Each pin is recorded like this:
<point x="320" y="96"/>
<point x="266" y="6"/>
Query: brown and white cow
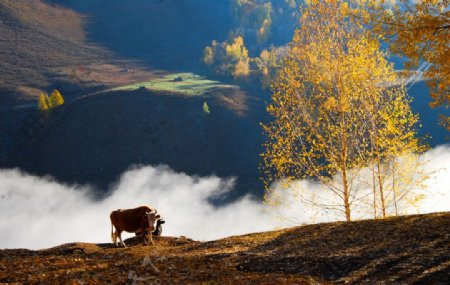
<point x="132" y="220"/>
<point x="158" y="227"/>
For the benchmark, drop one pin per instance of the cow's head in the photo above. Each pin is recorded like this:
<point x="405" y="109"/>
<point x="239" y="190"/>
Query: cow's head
<point x="159" y="220"/>
<point x="150" y="219"/>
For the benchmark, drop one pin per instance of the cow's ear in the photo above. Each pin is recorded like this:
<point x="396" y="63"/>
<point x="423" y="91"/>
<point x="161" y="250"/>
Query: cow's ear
<point x="158" y="216"/>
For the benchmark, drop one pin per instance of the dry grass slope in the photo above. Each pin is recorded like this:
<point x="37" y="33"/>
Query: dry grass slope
<point x="404" y="250"/>
<point x="37" y="38"/>
<point x="44" y="45"/>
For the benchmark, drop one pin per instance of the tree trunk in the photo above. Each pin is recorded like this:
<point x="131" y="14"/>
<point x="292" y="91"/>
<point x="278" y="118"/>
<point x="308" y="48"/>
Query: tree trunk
<point x="346" y="196"/>
<point x="374" y="191"/>
<point x="380" y="182"/>
<point x="344" y="169"/>
<point x="393" y="187"/>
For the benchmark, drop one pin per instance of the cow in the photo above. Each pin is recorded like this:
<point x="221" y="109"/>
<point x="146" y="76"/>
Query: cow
<point x="132" y="220"/>
<point x="158" y="228"/>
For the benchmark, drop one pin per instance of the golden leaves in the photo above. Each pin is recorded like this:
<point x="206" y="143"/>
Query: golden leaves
<point x="237" y="50"/>
<point x="420" y="31"/>
<point x="333" y="112"/>
<point x="241" y="69"/>
<point x="330" y="104"/>
<point x="46" y="102"/>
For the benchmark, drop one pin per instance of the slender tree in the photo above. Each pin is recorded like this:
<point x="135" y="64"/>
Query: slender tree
<point x="205" y="108"/>
<point x="43" y="102"/>
<point x="328" y="107"/>
<point x="56" y="99"/>
<point x="392" y="134"/>
<point x="208" y="55"/>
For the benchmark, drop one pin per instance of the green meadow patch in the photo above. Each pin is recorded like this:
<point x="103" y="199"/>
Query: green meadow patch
<point x="181" y="83"/>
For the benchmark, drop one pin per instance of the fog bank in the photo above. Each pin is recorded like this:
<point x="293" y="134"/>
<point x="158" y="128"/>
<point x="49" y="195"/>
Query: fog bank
<point x="38" y="212"/>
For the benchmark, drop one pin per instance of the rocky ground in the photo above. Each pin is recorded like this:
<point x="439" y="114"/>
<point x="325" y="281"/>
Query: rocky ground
<point x="404" y="250"/>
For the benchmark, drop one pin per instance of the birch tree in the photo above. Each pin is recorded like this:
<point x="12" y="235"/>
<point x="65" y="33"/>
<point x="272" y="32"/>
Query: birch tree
<point x="331" y="107"/>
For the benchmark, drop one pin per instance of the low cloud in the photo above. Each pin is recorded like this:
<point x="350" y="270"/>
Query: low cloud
<point x="298" y="203"/>
<point x="39" y="212"/>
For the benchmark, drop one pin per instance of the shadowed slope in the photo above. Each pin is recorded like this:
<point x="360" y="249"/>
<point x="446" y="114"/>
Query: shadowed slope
<point x="94" y="139"/>
<point x="168" y="34"/>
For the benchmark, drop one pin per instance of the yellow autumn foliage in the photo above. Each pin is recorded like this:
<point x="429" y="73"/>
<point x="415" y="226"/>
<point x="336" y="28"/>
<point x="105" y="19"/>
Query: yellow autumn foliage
<point x="241" y="69"/>
<point x="46" y="102"/>
<point x="419" y="30"/>
<point x="56" y="99"/>
<point x="43" y="102"/>
<point x="237" y="49"/>
<point x="208" y="55"/>
<point x="331" y="106"/>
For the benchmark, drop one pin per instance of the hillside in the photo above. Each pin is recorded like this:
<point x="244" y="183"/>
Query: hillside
<point x="82" y="48"/>
<point x="404" y="250"/>
<point x="95" y="138"/>
<point x="162" y="34"/>
<point x="38" y="40"/>
<point x="46" y="46"/>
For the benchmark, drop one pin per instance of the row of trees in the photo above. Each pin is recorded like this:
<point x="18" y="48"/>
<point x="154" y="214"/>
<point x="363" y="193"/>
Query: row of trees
<point x="259" y="22"/>
<point x="232" y="60"/>
<point x="46" y="102"/>
<point x="339" y="119"/>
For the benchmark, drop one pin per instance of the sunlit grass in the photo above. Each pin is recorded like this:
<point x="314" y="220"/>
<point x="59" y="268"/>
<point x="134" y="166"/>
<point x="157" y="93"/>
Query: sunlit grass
<point x="182" y="83"/>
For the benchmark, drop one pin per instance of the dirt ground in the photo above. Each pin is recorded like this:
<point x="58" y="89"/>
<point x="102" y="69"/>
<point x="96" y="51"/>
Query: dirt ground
<point x="404" y="250"/>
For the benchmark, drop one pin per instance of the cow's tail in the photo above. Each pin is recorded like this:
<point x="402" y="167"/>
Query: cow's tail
<point x="112" y="232"/>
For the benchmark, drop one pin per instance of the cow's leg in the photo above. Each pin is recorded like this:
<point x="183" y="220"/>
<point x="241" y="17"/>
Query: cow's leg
<point x="144" y="237"/>
<point x="113" y="234"/>
<point x="119" y="234"/>
<point x="114" y="238"/>
<point x="150" y="237"/>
